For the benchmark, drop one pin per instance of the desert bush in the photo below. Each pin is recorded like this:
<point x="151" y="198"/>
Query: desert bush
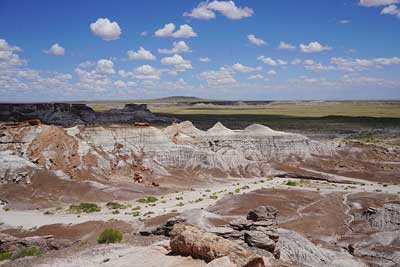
<point x="85" y="207"/>
<point x="115" y="206"/>
<point x="291" y="183"/>
<point x="135" y="213"/>
<point x="26" y="252"/>
<point x="148" y="199"/>
<point x="109" y="235"/>
<point x="6" y="255"/>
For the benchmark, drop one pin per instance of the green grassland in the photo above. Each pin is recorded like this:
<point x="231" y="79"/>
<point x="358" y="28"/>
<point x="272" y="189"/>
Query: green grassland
<point x="311" y="118"/>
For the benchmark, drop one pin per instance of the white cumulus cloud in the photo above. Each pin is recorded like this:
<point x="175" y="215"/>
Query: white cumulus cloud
<point x="141" y="54"/>
<point x="204" y="59"/>
<point x="314" y="47"/>
<point x="369" y="3"/>
<point x="206" y="10"/>
<point x="391" y="10"/>
<point x="56" y="50"/>
<point x="177" y="61"/>
<point x="178" y="47"/>
<point x="106" y="29"/>
<point x="184" y="31"/>
<point x="254" y="40"/>
<point x="255" y="77"/>
<point x="286" y="46"/>
<point x="272" y="62"/>
<point x="242" y="68"/>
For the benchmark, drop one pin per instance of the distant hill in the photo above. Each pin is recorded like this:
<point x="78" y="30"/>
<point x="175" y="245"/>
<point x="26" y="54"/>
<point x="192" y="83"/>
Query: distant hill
<point x="177" y="99"/>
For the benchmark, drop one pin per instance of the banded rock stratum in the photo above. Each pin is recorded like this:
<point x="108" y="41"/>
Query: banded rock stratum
<point x="84" y="152"/>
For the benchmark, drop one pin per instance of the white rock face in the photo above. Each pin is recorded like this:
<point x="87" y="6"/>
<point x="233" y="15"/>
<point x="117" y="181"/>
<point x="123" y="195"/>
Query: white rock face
<point x="108" y="151"/>
<point x="15" y="169"/>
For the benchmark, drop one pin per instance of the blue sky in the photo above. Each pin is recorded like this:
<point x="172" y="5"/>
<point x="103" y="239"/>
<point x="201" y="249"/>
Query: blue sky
<point x="70" y="50"/>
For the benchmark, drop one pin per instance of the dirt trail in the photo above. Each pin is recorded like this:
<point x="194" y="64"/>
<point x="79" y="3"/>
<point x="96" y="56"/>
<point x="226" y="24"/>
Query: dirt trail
<point x="200" y="198"/>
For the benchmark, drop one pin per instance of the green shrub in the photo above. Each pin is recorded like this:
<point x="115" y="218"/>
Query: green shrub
<point x="237" y="190"/>
<point x="115" y="212"/>
<point x="135" y="213"/>
<point x="84" y="207"/>
<point x="115" y="206"/>
<point x="291" y="183"/>
<point x="26" y="252"/>
<point x="148" y="199"/>
<point x="180" y="204"/>
<point x="214" y="197"/>
<point x="136" y="208"/>
<point x="109" y="235"/>
<point x="6" y="255"/>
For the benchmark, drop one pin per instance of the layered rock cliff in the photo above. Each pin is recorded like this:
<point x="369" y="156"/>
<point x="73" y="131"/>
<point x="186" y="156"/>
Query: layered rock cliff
<point x="85" y="152"/>
<point x="69" y="115"/>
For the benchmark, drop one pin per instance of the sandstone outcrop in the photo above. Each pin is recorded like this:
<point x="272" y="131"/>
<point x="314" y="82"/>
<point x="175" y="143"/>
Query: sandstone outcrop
<point x="258" y="232"/>
<point x="190" y="240"/>
<point x="68" y="115"/>
<point x="85" y="152"/>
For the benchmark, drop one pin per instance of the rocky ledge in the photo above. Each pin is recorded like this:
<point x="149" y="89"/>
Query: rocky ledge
<point x="68" y="115"/>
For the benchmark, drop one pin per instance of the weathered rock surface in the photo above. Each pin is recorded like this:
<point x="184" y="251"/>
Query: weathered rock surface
<point x="386" y="218"/>
<point x="68" y="115"/>
<point x="45" y="243"/>
<point x="190" y="240"/>
<point x="259" y="231"/>
<point x="84" y="152"/>
<point x="296" y="248"/>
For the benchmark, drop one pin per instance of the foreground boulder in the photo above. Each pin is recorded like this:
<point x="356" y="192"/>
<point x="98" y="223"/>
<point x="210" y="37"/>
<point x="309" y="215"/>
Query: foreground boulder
<point x="190" y="240"/>
<point x="258" y="231"/>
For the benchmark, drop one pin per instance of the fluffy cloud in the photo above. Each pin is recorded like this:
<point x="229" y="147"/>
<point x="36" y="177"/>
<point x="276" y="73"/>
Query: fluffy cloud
<point x="316" y="67"/>
<point x="220" y="77"/>
<point x="391" y="10"/>
<point x="9" y="58"/>
<point x="314" y="47"/>
<point x="120" y="84"/>
<point x="344" y="21"/>
<point x="56" y="50"/>
<point x="105" y="66"/>
<point x="178" y="47"/>
<point x="242" y="68"/>
<point x="351" y="65"/>
<point x="256" y="77"/>
<point x="204" y="59"/>
<point x="97" y="79"/>
<point x="146" y="72"/>
<point x="272" y="62"/>
<point x="177" y="61"/>
<point x="141" y="54"/>
<point x="206" y="10"/>
<point x="254" y="40"/>
<point x="201" y="12"/>
<point x="271" y="72"/>
<point x="184" y="31"/>
<point x="106" y="29"/>
<point x="87" y="64"/>
<point x="369" y="3"/>
<point x="286" y="46"/>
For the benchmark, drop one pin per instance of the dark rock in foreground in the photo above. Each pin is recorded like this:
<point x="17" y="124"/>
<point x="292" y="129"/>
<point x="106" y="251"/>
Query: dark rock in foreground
<point x="69" y="115"/>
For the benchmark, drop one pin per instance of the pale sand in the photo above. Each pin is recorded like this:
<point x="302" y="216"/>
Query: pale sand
<point x="37" y="218"/>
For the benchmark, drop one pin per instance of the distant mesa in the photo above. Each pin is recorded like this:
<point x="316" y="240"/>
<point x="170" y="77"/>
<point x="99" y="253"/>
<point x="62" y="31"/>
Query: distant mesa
<point x="68" y="115"/>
